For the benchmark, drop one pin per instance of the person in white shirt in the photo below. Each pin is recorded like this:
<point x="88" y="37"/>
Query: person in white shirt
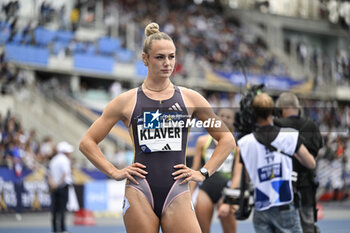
<point x="60" y="177"/>
<point x="267" y="155"/>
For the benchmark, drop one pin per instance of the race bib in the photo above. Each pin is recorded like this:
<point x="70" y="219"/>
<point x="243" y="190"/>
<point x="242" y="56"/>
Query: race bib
<point x="159" y="132"/>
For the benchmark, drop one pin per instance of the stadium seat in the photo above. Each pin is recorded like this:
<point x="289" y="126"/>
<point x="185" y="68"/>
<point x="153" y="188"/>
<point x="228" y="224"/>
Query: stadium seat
<point x="64" y="36"/>
<point x="58" y="46"/>
<point x="125" y="55"/>
<point x="4" y="32"/>
<point x="108" y="45"/>
<point x="90" y="49"/>
<point x="43" y="36"/>
<point x="141" y="69"/>
<point x="27" y="54"/>
<point x="17" y="38"/>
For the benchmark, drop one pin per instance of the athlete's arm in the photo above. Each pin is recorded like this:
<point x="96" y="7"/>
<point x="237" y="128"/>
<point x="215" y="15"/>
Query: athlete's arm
<point x="305" y="158"/>
<point x="201" y="109"/>
<point x="116" y="110"/>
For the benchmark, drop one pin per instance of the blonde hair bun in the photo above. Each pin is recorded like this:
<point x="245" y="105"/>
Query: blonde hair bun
<point x="151" y="28"/>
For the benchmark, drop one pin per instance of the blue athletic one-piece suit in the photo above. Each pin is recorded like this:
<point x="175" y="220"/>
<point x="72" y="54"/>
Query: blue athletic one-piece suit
<point x="160" y="143"/>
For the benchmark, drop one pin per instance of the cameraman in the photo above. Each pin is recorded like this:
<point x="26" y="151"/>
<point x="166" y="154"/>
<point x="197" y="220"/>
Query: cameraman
<point x="306" y="186"/>
<point x="266" y="154"/>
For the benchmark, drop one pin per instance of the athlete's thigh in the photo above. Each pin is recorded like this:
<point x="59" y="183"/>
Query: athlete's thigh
<point x="139" y="215"/>
<point x="180" y="217"/>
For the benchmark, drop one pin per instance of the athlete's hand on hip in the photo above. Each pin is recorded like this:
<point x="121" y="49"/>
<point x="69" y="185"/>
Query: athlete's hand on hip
<point x="135" y="169"/>
<point x="187" y="174"/>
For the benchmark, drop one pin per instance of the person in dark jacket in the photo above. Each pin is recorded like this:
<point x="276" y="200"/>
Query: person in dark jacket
<point x="305" y="185"/>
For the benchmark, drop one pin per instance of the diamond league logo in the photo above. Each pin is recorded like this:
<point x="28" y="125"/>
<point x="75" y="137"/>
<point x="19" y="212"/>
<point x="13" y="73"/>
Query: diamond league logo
<point x="151" y="120"/>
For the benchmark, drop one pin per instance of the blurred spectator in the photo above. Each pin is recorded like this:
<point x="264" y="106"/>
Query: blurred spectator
<point x="10" y="9"/>
<point x="46" y="150"/>
<point x="75" y="17"/>
<point x="119" y="158"/>
<point x="338" y="166"/>
<point x="46" y="13"/>
<point x="60" y="177"/>
<point x="115" y="89"/>
<point x="63" y="18"/>
<point x="109" y="21"/>
<point x="302" y="52"/>
<point x="331" y="170"/>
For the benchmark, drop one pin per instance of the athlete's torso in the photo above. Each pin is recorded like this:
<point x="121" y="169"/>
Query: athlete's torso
<point x="157" y="146"/>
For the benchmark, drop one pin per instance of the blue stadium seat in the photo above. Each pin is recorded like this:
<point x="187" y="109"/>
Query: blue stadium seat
<point x="3" y="24"/>
<point x="64" y="36"/>
<point x="44" y="36"/>
<point x="4" y="33"/>
<point x="90" y="49"/>
<point x="58" y="46"/>
<point x="79" y="47"/>
<point x="125" y="55"/>
<point x="141" y="69"/>
<point x="27" y="54"/>
<point x="108" y="45"/>
<point x="17" y="38"/>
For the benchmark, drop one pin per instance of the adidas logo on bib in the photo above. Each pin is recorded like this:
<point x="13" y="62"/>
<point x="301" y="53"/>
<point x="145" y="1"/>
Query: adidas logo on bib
<point x="166" y="147"/>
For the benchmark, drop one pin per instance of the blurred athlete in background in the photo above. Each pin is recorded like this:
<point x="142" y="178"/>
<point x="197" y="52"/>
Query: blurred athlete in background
<point x="210" y="191"/>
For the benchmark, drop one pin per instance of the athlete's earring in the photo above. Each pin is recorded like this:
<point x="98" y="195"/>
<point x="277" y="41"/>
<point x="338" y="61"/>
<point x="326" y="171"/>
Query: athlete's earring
<point x="146" y="63"/>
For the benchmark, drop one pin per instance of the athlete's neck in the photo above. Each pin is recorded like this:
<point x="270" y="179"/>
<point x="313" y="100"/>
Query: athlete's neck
<point x="156" y="87"/>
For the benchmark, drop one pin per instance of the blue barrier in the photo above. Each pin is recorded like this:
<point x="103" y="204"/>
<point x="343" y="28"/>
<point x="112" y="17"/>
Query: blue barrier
<point x="22" y="194"/>
<point x="95" y="195"/>
<point x="93" y="62"/>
